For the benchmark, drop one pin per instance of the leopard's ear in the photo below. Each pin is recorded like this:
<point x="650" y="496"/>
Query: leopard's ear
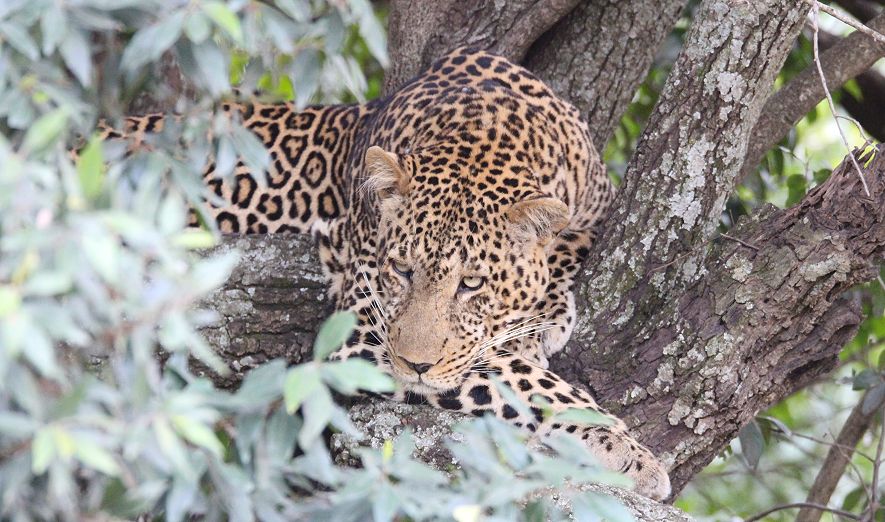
<point x="538" y="219"/>
<point x="386" y="175"/>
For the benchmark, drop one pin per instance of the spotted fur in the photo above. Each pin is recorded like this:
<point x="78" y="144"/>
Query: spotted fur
<point x="451" y="218"/>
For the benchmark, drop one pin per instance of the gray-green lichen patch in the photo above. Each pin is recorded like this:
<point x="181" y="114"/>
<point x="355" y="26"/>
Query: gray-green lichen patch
<point x="740" y="268"/>
<point x="836" y="264"/>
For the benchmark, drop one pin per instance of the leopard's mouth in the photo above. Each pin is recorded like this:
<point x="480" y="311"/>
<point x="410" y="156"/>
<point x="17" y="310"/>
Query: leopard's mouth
<point x="425" y="383"/>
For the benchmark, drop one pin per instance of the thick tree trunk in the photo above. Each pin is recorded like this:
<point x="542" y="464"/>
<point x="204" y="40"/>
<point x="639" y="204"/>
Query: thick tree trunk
<point x="420" y="32"/>
<point x="764" y="319"/>
<point x="685" y="332"/>
<point x="599" y="54"/>
<point x="595" y="56"/>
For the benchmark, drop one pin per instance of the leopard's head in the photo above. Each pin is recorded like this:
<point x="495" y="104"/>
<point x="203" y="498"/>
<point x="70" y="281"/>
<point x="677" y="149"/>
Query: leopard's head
<point x="461" y="257"/>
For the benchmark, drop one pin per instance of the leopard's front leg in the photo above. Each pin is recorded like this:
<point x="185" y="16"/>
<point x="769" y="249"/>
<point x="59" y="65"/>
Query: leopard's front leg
<point x="566" y="254"/>
<point x="612" y="444"/>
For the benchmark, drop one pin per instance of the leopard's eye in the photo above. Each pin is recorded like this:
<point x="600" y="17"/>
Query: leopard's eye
<point x="401" y="268"/>
<point x="471" y="284"/>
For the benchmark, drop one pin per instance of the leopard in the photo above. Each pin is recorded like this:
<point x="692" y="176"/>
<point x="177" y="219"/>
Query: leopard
<point x="451" y="217"/>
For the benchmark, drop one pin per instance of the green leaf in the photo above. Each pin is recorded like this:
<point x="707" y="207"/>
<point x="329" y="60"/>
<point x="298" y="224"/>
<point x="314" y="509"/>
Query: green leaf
<point x="866" y="379"/>
<point x="103" y="253"/>
<point x="47" y="283"/>
<point x="263" y="384"/>
<point x="299" y="10"/>
<point x="534" y="512"/>
<point x="151" y="42"/>
<point x="46" y="130"/>
<point x="583" y="416"/>
<point x="468" y="513"/>
<point x="10" y="300"/>
<point x="385" y="503"/>
<point x="510" y="442"/>
<point x="53" y="27"/>
<point x="252" y="150"/>
<point x="194" y="239"/>
<point x="356" y="374"/>
<point x="797" y="186"/>
<point x="42" y="451"/>
<point x="196" y="27"/>
<point x="90" y="168"/>
<point x="173" y="449"/>
<point x="17" y="36"/>
<point x="16" y="425"/>
<point x="224" y="18"/>
<point x="333" y="334"/>
<point x="213" y="68"/>
<point x="96" y="457"/>
<point x="198" y="434"/>
<point x="305" y="73"/>
<point x="318" y="408"/>
<point x="511" y="398"/>
<point x="301" y="382"/>
<point x="853" y="88"/>
<point x="752" y="443"/>
<point x="821" y="175"/>
<point x="853" y="498"/>
<point x="371" y="30"/>
<point x="77" y="55"/>
<point x="593" y="506"/>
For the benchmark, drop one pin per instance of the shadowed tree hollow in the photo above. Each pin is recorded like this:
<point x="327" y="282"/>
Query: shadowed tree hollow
<point x="685" y="331"/>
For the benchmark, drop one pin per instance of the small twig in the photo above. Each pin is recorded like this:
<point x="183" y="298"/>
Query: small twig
<point x="837" y="445"/>
<point x="815" y="8"/>
<point x="820" y="507"/>
<point x="846" y="19"/>
<point x="874" y="485"/>
<point x="837" y="460"/>
<point x="741" y="241"/>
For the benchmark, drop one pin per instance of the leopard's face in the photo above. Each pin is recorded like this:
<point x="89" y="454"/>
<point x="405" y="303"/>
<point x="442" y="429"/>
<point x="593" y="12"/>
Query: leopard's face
<point x="458" y="273"/>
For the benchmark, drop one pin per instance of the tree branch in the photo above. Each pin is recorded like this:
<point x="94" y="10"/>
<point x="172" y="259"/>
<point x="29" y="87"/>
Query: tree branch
<point x="682" y="171"/>
<point x="757" y="325"/>
<point x="595" y="55"/>
<point x="599" y="54"/>
<point x="420" y="32"/>
<point x="819" y="508"/>
<point x="869" y="108"/>
<point x="843" y="61"/>
<point x="863" y="10"/>
<point x="837" y="459"/>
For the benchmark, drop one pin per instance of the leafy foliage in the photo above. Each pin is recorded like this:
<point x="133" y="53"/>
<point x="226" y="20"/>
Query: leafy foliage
<point x="99" y="284"/>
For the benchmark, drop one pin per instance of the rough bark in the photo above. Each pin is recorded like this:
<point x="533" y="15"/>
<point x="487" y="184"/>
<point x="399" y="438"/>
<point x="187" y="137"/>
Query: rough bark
<point x="843" y="61"/>
<point x="271" y="305"/>
<point x="421" y="32"/>
<point x="595" y="56"/>
<point x="764" y="319"/>
<point x="598" y="55"/>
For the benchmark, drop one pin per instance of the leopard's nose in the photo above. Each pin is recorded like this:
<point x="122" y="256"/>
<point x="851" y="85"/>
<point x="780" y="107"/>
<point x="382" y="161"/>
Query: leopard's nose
<point x="418" y="367"/>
